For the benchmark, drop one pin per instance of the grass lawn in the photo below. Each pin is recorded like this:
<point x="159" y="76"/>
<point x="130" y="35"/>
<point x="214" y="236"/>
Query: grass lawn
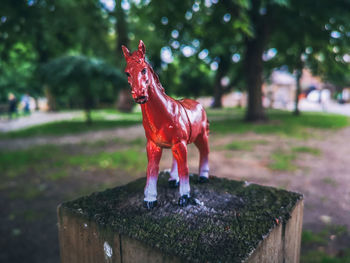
<point x="53" y="161"/>
<point x="312" y="242"/>
<point x="244" y="145"/>
<point x="280" y="122"/>
<point x="224" y="121"/>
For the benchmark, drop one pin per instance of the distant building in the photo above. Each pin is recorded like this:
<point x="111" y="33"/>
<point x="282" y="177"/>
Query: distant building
<point x="280" y="90"/>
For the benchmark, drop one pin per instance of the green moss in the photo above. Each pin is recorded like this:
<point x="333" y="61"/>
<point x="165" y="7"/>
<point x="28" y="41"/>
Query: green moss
<point x="228" y="227"/>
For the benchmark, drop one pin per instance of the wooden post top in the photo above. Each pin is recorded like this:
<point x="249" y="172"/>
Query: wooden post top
<point x="226" y="223"/>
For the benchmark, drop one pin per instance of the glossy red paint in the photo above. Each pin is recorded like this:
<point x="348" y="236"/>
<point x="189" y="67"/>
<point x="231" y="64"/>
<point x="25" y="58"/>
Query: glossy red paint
<point x="168" y="123"/>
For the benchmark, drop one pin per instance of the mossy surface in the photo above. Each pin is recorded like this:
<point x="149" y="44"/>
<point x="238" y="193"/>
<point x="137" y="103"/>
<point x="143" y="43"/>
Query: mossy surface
<point x="226" y="225"/>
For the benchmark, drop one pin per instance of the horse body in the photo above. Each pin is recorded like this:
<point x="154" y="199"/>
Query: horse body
<point x="168" y="123"/>
<point x="177" y="121"/>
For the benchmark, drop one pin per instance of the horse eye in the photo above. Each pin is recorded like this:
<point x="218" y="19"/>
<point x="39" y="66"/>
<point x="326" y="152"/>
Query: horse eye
<point x="144" y="71"/>
<point x="127" y="73"/>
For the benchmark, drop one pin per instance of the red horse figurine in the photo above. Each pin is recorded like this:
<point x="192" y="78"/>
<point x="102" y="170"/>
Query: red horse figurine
<point x="168" y="123"/>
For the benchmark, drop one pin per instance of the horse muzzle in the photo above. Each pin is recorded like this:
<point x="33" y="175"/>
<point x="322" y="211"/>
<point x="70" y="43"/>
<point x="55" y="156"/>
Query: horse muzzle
<point x="141" y="99"/>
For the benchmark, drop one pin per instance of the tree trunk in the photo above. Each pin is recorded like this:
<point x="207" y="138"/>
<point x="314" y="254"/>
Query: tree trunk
<point x="121" y="29"/>
<point x="43" y="57"/>
<point x="36" y="100"/>
<point x="254" y="64"/>
<point x="299" y="73"/>
<point x="124" y="102"/>
<point x="254" y="69"/>
<point x="88" y="118"/>
<point x="218" y="88"/>
<point x="88" y="101"/>
<point x="51" y="100"/>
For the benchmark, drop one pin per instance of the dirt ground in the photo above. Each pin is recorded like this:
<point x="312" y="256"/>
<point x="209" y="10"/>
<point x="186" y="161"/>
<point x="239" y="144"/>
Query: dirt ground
<point x="28" y="227"/>
<point x="324" y="180"/>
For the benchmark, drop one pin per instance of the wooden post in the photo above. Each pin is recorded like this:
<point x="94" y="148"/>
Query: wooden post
<point x="231" y="222"/>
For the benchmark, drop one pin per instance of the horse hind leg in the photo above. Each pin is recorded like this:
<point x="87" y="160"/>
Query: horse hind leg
<point x="202" y="144"/>
<point x="174" y="175"/>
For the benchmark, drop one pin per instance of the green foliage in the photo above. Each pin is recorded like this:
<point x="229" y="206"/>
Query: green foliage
<point x="71" y="33"/>
<point x="34" y="32"/>
<point x="82" y="78"/>
<point x="80" y="70"/>
<point x="310" y="42"/>
<point x="17" y="71"/>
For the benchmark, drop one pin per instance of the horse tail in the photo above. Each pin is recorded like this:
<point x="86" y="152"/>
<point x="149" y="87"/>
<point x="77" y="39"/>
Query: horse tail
<point x="207" y="126"/>
<point x="205" y="118"/>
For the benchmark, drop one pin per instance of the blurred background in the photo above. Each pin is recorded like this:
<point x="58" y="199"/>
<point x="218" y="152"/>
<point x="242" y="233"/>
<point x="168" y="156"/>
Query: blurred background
<point x="274" y="76"/>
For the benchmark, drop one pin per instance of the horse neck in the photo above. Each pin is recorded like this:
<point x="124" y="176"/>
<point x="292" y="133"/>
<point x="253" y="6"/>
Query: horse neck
<point x="157" y="103"/>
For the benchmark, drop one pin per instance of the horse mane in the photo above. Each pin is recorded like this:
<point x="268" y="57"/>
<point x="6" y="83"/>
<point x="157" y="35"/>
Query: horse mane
<point x="155" y="76"/>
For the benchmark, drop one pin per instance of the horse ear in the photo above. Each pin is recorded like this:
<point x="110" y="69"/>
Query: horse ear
<point x="142" y="48"/>
<point x="126" y="51"/>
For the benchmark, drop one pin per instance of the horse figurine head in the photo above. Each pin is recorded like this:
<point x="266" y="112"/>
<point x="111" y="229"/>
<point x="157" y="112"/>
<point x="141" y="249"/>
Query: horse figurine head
<point x="168" y="123"/>
<point x="138" y="73"/>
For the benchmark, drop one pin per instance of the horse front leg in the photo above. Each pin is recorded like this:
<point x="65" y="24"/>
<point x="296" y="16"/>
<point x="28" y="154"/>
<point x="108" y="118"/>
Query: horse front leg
<point x="180" y="153"/>
<point x="154" y="153"/>
<point x="174" y="175"/>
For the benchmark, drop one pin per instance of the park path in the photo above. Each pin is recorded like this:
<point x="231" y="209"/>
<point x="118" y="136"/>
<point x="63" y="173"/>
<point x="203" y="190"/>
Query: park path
<point x="36" y="118"/>
<point x="128" y="133"/>
<point x="323" y="179"/>
<point x="326" y="186"/>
